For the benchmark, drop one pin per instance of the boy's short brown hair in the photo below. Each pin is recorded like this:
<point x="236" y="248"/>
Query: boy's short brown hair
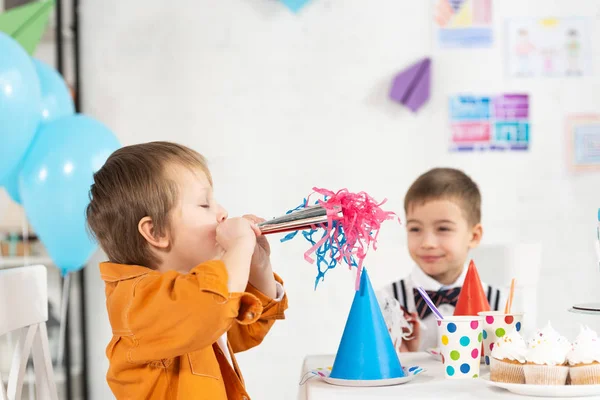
<point x="446" y="184"/>
<point x="134" y="183"/>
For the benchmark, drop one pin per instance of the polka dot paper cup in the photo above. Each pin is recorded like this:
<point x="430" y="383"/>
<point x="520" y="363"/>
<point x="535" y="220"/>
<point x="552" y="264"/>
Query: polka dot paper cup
<point x="460" y="345"/>
<point x="495" y="325"/>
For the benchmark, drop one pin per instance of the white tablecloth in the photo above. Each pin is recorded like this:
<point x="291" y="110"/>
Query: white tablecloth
<point x="429" y="385"/>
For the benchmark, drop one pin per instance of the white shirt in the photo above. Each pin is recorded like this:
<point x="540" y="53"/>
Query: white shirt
<point x="222" y="341"/>
<point x="418" y="278"/>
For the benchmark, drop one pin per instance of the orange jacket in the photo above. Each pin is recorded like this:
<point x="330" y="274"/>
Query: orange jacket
<point x="165" y="328"/>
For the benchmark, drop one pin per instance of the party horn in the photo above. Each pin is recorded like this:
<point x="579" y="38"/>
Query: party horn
<point x="296" y="221"/>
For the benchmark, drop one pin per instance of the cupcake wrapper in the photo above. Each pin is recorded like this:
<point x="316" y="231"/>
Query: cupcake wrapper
<point x="585" y="374"/>
<point x="506" y="372"/>
<point x="545" y="374"/>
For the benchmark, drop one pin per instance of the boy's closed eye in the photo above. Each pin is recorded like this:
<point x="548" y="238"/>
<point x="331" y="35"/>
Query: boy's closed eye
<point x="204" y="202"/>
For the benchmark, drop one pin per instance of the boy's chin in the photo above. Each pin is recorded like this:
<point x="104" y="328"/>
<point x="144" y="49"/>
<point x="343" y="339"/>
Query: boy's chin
<point x="434" y="270"/>
<point x="437" y="271"/>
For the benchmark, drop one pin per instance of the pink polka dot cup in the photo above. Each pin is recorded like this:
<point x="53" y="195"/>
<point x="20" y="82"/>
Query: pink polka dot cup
<point x="460" y="340"/>
<point x="496" y="324"/>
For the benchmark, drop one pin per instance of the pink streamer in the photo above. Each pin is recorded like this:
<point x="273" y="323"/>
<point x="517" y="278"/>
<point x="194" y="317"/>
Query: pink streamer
<point x="361" y="221"/>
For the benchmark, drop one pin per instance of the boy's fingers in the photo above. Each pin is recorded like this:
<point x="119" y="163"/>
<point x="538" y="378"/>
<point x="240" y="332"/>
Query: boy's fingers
<point x="254" y="218"/>
<point x="254" y="222"/>
<point x="256" y="229"/>
<point x="413" y="316"/>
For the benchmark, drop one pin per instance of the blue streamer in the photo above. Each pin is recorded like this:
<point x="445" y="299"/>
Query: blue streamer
<point x="328" y="253"/>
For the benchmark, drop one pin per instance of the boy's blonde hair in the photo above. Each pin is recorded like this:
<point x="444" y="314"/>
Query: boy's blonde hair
<point x="446" y="184"/>
<point x="135" y="183"/>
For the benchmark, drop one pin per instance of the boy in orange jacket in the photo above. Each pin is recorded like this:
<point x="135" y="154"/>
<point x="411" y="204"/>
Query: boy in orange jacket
<point x="186" y="287"/>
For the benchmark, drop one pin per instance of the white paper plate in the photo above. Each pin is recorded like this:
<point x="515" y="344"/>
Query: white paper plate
<point x="369" y="383"/>
<point x="410" y="374"/>
<point x="546" y="390"/>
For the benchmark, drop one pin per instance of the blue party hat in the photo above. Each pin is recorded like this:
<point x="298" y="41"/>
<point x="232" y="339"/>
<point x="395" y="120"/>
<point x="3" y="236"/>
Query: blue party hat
<point x="366" y="351"/>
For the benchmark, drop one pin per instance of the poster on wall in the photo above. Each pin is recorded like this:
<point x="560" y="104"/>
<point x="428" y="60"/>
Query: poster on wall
<point x="463" y="23"/>
<point x="548" y="47"/>
<point x="481" y="123"/>
<point x="583" y="142"/>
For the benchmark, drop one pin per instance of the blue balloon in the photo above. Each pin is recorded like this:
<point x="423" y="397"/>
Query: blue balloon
<point x="19" y="104"/>
<point x="54" y="184"/>
<point x="56" y="103"/>
<point x="56" y="97"/>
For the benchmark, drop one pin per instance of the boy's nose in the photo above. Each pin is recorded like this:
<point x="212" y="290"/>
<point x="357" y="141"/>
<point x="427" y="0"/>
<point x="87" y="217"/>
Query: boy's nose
<point x="221" y="214"/>
<point x="428" y="241"/>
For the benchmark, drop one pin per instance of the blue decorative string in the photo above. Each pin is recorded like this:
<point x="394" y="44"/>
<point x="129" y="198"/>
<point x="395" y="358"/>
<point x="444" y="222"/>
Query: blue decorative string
<point x="327" y="254"/>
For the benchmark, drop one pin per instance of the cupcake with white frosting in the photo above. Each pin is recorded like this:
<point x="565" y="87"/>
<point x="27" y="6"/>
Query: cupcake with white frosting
<point x="584" y="358"/>
<point x="546" y="361"/>
<point x="507" y="359"/>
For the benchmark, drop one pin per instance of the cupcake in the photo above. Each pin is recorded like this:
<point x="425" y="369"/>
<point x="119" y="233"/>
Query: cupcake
<point x="546" y="360"/>
<point x="566" y="346"/>
<point x="507" y="359"/>
<point x="584" y="358"/>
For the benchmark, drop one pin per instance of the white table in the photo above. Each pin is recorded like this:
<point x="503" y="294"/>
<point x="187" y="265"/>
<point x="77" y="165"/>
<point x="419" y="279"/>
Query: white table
<point x="428" y="385"/>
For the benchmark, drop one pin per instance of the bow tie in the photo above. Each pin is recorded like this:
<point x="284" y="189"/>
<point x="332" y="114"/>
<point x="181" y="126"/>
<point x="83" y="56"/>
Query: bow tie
<point x="447" y="296"/>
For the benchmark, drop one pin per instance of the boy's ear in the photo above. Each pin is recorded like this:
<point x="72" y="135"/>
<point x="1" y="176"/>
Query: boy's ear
<point x="476" y="234"/>
<point x="146" y="229"/>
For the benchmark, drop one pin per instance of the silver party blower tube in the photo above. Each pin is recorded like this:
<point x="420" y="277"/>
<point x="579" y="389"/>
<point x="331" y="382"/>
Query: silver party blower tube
<point x="296" y="221"/>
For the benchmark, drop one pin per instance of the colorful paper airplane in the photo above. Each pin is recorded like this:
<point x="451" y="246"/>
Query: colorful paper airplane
<point x="456" y="4"/>
<point x="294" y="5"/>
<point x="27" y="24"/>
<point x="411" y="86"/>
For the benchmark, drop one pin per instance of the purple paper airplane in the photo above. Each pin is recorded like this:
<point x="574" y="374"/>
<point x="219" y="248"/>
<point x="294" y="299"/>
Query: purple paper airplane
<point x="456" y="4"/>
<point x="411" y="86"/>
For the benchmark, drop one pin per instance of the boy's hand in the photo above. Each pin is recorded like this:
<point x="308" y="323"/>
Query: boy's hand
<point x="237" y="238"/>
<point x="415" y="338"/>
<point x="261" y="273"/>
<point x="235" y="232"/>
<point x="262" y="251"/>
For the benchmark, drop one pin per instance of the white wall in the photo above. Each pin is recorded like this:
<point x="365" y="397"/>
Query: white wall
<point x="280" y="103"/>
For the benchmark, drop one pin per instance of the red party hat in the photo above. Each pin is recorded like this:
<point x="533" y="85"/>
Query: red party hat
<point x="471" y="299"/>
